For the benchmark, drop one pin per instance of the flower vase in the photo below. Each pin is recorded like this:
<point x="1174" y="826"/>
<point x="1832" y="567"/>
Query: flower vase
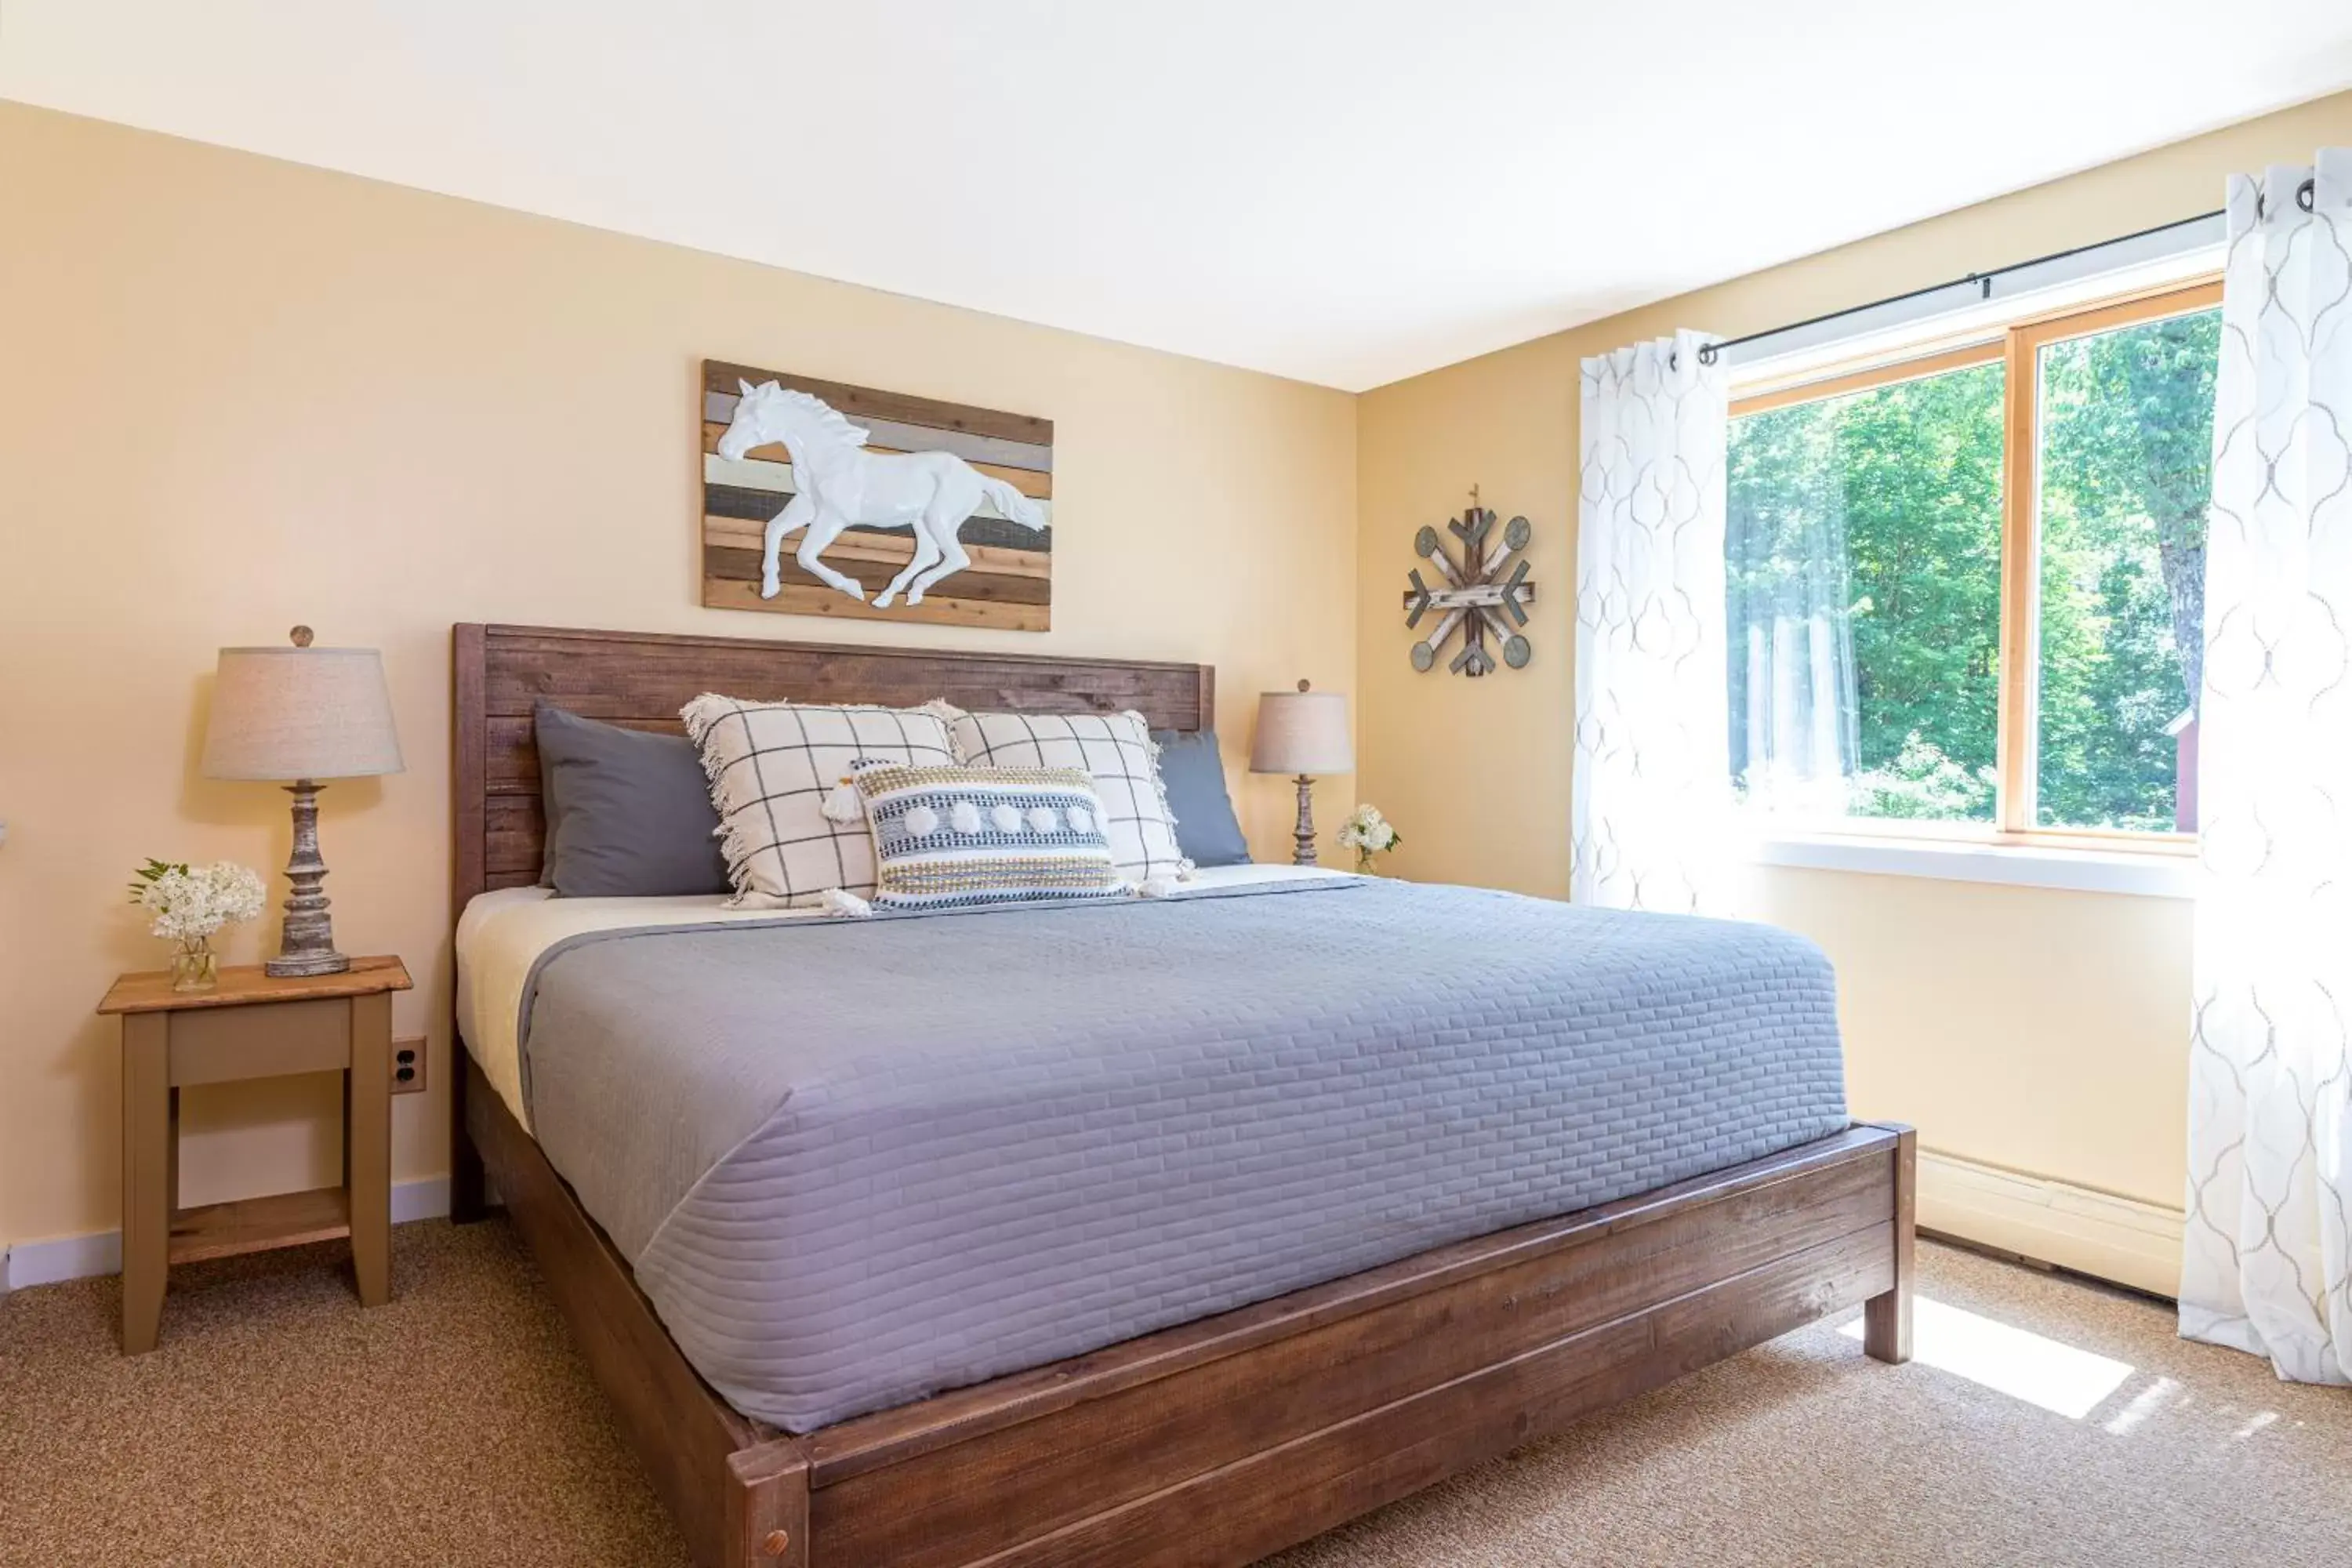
<point x="195" y="967"/>
<point x="1363" y="863"/>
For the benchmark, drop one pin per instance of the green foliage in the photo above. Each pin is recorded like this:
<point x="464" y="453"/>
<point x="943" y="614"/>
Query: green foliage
<point x="1904" y="483"/>
<point x="2126" y="475"/>
<point x="1911" y="473"/>
<point x="151" y="872"/>
<point x="1923" y="784"/>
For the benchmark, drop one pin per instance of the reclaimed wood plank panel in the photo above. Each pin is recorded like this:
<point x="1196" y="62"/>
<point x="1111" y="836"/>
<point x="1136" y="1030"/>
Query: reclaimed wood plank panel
<point x="867" y="402"/>
<point x="775" y="479"/>
<point x="759" y="488"/>
<point x="1033" y="482"/>
<point x="873" y="565"/>
<point x="718" y="408"/>
<point x="874" y="545"/>
<point x="807" y="596"/>
<point x="861" y="402"/>
<point x="736" y="503"/>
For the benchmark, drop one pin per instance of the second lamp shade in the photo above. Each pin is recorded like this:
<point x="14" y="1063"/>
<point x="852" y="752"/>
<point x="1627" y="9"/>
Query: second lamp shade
<point x="1302" y="732"/>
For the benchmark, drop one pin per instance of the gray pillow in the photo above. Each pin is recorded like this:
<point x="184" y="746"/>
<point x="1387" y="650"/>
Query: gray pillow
<point x="628" y="813"/>
<point x="1195" y="778"/>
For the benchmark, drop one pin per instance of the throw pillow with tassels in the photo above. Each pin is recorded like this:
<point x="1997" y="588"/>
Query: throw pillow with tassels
<point x="955" y="837"/>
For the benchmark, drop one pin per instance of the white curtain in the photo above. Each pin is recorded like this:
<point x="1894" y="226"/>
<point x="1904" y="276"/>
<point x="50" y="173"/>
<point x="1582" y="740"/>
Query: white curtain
<point x="1652" y="756"/>
<point x="1795" y="713"/>
<point x="2270" y="1134"/>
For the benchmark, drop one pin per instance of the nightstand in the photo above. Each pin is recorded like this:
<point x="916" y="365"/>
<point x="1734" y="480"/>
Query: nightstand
<point x="252" y="1024"/>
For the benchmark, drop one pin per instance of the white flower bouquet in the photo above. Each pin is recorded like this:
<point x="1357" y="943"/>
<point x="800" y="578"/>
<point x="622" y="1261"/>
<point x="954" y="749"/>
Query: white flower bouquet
<point x="189" y="903"/>
<point x="1368" y="833"/>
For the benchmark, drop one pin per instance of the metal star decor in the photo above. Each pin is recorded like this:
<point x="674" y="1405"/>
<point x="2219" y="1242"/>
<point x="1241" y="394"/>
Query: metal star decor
<point x="1473" y="596"/>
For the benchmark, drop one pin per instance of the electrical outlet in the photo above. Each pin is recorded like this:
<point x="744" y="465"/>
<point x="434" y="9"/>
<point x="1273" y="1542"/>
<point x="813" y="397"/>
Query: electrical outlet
<point x="408" y="1065"/>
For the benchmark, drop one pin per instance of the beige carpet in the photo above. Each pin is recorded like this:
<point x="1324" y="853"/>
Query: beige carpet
<point x="280" y="1425"/>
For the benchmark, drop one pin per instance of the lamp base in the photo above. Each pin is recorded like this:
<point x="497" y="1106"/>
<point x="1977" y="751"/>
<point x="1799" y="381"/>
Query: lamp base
<point x="1302" y="851"/>
<point x="286" y="965"/>
<point x="307" y="946"/>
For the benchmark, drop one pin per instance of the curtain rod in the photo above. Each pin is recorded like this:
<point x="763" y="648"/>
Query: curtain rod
<point x="1981" y="280"/>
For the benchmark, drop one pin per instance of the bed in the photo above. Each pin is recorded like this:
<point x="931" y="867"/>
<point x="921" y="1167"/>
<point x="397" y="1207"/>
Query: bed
<point x="1137" y="1363"/>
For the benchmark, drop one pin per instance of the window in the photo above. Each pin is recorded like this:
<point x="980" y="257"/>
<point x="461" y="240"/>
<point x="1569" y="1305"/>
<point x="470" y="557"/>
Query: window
<point x="1966" y="590"/>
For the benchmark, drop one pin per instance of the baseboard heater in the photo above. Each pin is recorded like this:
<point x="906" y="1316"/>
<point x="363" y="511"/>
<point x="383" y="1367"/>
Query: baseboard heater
<point x="2120" y="1240"/>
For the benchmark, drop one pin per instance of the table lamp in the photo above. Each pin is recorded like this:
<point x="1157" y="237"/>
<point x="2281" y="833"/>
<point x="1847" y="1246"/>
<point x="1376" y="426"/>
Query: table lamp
<point x="301" y="713"/>
<point x="1305" y="734"/>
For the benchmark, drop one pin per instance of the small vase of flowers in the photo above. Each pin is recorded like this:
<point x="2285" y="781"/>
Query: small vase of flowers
<point x="189" y="905"/>
<point x="1368" y="833"/>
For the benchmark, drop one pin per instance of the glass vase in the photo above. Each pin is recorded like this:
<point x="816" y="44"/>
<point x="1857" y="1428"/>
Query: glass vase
<point x="195" y="967"/>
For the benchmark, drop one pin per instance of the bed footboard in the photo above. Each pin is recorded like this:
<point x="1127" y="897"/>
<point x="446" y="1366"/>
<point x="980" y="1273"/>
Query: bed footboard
<point x="1221" y="1441"/>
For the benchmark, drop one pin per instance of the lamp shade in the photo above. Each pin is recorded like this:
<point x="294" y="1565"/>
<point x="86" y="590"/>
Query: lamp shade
<point x="301" y="713"/>
<point x="1302" y="732"/>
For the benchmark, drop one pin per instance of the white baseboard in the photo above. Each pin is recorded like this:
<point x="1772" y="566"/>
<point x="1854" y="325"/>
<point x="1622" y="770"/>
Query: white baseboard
<point x="2132" y="1243"/>
<point x="2108" y="1238"/>
<point x="29" y="1263"/>
<point x="64" y="1257"/>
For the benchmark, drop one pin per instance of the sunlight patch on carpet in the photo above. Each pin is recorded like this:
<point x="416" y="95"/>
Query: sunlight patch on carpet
<point x="2164" y="1392"/>
<point x="2012" y="1360"/>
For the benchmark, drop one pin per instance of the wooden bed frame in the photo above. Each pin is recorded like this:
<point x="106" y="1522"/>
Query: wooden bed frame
<point x="1214" y="1442"/>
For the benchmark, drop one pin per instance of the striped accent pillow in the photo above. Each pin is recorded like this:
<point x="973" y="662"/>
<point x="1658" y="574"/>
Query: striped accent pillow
<point x="952" y="838"/>
<point x="1117" y="749"/>
<point x="771" y="766"/>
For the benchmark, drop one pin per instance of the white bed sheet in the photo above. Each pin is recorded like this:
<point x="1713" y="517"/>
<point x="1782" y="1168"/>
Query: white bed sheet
<point x="502" y="934"/>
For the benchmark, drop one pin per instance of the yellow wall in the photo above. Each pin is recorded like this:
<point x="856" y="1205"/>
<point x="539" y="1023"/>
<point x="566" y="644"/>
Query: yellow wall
<point x="2042" y="1031"/>
<point x="237" y="394"/>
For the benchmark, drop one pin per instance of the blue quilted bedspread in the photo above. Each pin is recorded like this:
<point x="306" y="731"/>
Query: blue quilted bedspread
<point x="855" y="1163"/>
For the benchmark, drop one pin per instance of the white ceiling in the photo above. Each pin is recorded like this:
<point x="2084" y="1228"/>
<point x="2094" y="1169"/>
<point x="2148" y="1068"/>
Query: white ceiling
<point x="1343" y="191"/>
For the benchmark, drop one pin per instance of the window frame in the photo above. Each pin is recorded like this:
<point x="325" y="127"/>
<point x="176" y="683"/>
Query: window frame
<point x="2016" y="345"/>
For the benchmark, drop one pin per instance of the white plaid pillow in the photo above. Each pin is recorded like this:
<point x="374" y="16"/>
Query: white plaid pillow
<point x="772" y="764"/>
<point x="1116" y="748"/>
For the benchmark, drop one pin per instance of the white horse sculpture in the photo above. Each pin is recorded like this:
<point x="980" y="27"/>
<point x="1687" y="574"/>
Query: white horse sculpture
<point x="838" y="484"/>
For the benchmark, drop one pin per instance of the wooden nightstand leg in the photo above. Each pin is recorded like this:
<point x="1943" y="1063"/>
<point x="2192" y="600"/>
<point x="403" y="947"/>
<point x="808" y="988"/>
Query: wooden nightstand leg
<point x="367" y="1146"/>
<point x="147" y="1177"/>
<point x="171" y="1151"/>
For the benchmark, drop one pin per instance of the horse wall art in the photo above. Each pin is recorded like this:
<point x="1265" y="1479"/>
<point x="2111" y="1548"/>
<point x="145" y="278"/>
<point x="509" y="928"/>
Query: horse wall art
<point x="822" y="499"/>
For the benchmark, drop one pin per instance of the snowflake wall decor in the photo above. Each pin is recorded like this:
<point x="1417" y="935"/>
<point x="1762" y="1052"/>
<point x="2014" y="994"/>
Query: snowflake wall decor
<point x="1474" y="595"/>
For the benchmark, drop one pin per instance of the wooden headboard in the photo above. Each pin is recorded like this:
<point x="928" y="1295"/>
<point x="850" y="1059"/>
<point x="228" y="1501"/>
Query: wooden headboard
<point x="642" y="678"/>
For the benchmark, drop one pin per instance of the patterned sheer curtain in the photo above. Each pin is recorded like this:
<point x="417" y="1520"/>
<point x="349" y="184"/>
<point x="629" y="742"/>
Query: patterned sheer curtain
<point x="2268" y="1266"/>
<point x="1795" y="721"/>
<point x="1651" y="775"/>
